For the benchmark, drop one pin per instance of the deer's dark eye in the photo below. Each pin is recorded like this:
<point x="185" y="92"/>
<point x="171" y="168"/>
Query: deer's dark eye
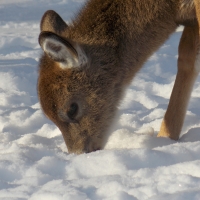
<point x="72" y="111"/>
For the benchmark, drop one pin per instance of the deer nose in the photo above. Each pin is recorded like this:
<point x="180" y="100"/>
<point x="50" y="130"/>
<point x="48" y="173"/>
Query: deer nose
<point x="91" y="150"/>
<point x="91" y="147"/>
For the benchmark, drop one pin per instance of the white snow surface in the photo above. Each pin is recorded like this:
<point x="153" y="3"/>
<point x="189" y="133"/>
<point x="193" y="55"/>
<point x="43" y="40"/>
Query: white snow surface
<point x="135" y="164"/>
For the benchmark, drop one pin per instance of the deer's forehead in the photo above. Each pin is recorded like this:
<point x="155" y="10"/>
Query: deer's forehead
<point x="61" y="88"/>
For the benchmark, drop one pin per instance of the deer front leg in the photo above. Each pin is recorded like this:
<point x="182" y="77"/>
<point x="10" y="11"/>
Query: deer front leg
<point x="188" y="69"/>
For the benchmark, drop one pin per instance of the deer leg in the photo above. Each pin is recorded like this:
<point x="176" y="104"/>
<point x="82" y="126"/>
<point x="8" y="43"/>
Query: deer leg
<point x="188" y="70"/>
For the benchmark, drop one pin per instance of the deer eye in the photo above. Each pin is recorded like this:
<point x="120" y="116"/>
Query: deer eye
<point x="72" y="111"/>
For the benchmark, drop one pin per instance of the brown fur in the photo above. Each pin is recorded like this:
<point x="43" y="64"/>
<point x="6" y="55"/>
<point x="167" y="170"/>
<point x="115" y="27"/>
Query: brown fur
<point x="117" y="37"/>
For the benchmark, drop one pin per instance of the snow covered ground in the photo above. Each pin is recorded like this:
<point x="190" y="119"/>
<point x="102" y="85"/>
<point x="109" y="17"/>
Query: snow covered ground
<point x="34" y="163"/>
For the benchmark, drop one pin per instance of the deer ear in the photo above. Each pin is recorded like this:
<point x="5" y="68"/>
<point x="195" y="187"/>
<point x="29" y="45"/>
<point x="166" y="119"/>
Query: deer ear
<point x="52" y="22"/>
<point x="61" y="50"/>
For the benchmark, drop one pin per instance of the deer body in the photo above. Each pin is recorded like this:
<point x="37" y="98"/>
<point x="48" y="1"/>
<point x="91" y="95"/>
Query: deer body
<point x="87" y="65"/>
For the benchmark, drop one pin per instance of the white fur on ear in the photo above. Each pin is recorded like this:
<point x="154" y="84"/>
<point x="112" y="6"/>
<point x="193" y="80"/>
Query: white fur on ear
<point x="59" y="52"/>
<point x="62" y="51"/>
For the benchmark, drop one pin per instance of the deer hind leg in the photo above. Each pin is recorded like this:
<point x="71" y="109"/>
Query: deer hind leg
<point x="188" y="69"/>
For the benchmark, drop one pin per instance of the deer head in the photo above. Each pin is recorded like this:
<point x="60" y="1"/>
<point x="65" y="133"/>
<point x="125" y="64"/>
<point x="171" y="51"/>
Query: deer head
<point x="77" y="88"/>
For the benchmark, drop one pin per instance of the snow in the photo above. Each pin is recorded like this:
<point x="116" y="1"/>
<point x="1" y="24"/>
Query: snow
<point x="135" y="165"/>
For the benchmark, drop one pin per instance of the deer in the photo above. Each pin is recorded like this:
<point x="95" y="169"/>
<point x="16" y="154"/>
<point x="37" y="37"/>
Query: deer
<point x="86" y="66"/>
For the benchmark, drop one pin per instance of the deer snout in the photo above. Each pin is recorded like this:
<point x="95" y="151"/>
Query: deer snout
<point x="92" y="147"/>
<point x="85" y="146"/>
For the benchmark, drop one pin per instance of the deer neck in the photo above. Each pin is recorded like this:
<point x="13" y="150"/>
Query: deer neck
<point x="134" y="29"/>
